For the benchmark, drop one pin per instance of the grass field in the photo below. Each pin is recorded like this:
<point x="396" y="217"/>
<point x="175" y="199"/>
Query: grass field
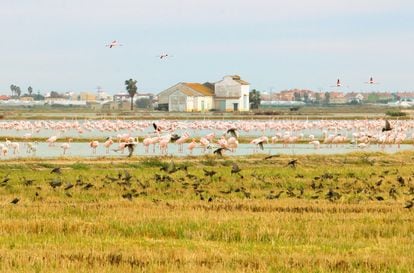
<point x="311" y="112"/>
<point x="344" y="213"/>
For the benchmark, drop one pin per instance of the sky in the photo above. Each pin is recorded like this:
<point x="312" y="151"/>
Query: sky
<point x="59" y="45"/>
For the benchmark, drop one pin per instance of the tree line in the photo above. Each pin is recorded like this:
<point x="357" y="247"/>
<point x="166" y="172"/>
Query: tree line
<point x="17" y="92"/>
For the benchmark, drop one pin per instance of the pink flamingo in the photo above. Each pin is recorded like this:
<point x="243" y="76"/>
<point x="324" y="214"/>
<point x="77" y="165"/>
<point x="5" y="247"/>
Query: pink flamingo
<point x="65" y="146"/>
<point x="192" y="145"/>
<point x="164" y="144"/>
<point x="232" y="143"/>
<point x="51" y="140"/>
<point x="210" y="137"/>
<point x="204" y="143"/>
<point x="222" y="142"/>
<point x="107" y="144"/>
<point x="94" y="144"/>
<point x="181" y="141"/>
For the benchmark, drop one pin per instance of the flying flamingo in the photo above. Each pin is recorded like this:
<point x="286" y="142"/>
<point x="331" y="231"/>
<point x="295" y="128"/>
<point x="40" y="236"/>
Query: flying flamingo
<point x="371" y="81"/>
<point x="338" y="83"/>
<point x="114" y="43"/>
<point x="164" y="56"/>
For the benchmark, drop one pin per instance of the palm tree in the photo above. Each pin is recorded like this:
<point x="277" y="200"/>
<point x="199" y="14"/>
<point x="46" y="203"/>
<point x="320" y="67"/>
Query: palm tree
<point x="18" y="91"/>
<point x="12" y="88"/>
<point x="30" y="90"/>
<point x="131" y="87"/>
<point x="254" y="98"/>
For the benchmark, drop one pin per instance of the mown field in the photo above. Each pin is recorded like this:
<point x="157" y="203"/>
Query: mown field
<point x="345" y="213"/>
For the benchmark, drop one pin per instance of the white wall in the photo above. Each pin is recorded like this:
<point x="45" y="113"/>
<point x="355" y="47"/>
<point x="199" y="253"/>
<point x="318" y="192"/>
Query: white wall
<point x="198" y="103"/>
<point x="177" y="101"/>
<point x="232" y="92"/>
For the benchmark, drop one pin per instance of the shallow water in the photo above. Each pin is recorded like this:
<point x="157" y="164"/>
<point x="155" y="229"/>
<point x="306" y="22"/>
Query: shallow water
<point x="93" y="129"/>
<point x="83" y="150"/>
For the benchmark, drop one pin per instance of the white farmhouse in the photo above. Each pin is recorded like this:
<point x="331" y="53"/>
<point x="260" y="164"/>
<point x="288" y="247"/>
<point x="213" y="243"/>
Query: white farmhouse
<point x="232" y="94"/>
<point x="229" y="94"/>
<point x="186" y="97"/>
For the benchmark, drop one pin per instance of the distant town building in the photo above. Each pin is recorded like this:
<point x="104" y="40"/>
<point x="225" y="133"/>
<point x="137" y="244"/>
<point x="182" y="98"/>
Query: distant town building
<point x="87" y="96"/>
<point x="121" y="96"/>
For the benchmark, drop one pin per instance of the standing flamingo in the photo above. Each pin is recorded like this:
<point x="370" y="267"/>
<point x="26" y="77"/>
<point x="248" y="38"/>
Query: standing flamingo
<point x="180" y="142"/>
<point x="94" y="144"/>
<point x="51" y="140"/>
<point x="192" y="145"/>
<point x="107" y="144"/>
<point x="65" y="146"/>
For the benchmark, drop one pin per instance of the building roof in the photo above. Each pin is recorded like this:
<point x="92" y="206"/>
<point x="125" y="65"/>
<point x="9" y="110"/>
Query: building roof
<point x="185" y="92"/>
<point x="202" y="89"/>
<point x="239" y="80"/>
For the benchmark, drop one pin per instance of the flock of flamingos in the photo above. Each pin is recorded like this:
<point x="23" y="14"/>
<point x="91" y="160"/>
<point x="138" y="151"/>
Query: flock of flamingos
<point x="209" y="135"/>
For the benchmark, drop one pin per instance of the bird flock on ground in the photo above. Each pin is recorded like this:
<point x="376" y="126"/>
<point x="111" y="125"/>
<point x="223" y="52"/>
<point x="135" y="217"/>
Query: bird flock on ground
<point x="213" y="183"/>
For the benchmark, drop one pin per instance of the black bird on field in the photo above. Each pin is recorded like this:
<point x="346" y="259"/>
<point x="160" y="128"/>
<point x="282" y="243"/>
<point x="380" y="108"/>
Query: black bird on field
<point x="5" y="179"/>
<point x="15" y="201"/>
<point x="409" y="204"/>
<point x="127" y="177"/>
<point x="127" y="196"/>
<point x="274" y="196"/>
<point x="271" y="156"/>
<point x="332" y="195"/>
<point x="219" y="151"/>
<point x="393" y="193"/>
<point x="209" y="173"/>
<point x="27" y="182"/>
<point x="232" y="132"/>
<point x="56" y="170"/>
<point x="235" y="168"/>
<point x="292" y="163"/>
<point x="112" y="179"/>
<point x="387" y="126"/>
<point x="401" y="180"/>
<point x="55" y="183"/>
<point x="68" y="186"/>
<point x="87" y="186"/>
